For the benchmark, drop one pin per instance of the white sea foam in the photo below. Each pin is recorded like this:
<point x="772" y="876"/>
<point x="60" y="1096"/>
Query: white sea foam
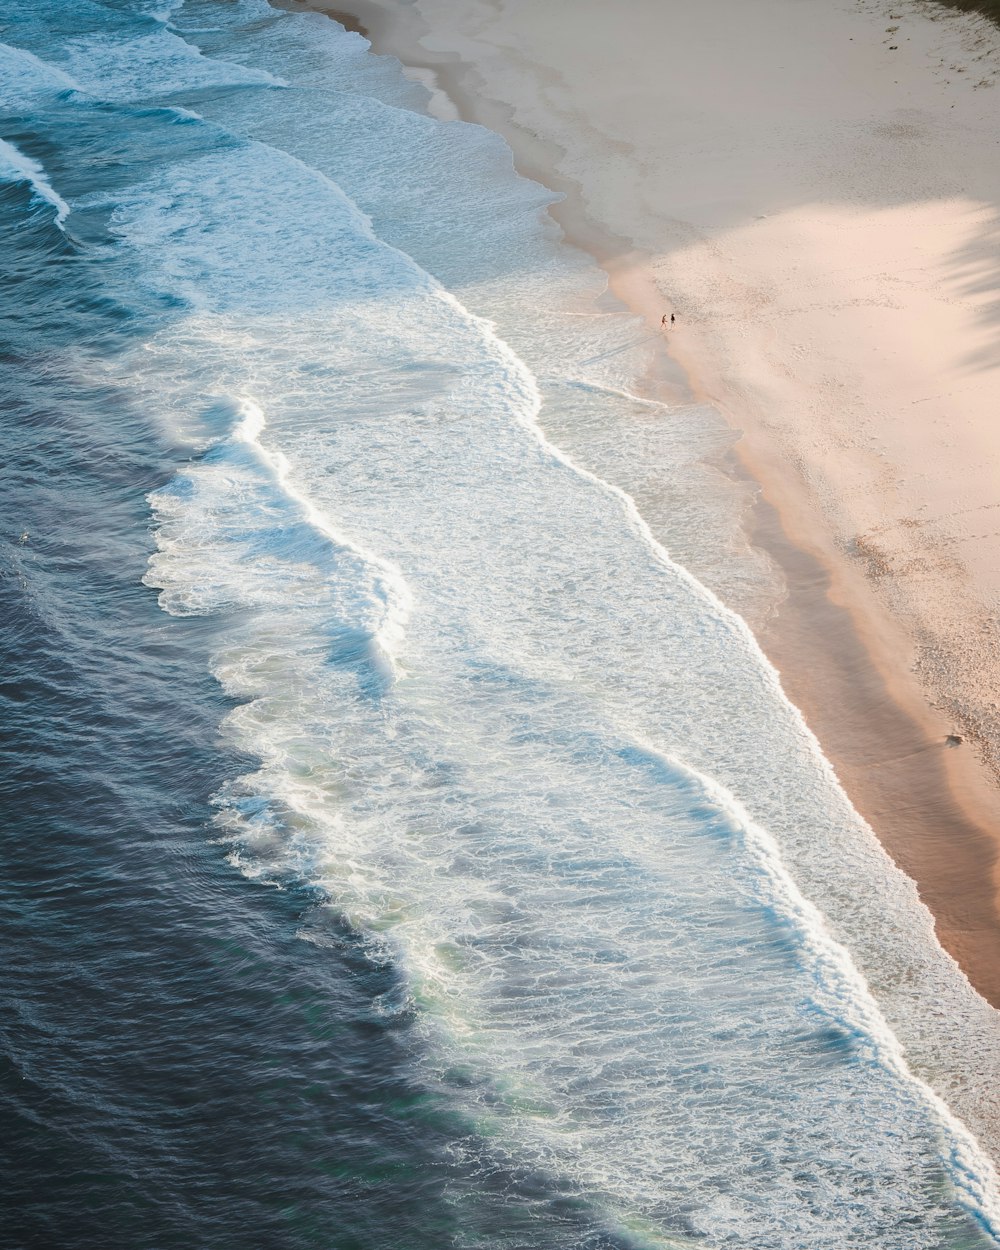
<point x="23" y="74"/>
<point x="239" y="475"/>
<point x="163" y="10"/>
<point x="16" y="167"/>
<point x="140" y="69"/>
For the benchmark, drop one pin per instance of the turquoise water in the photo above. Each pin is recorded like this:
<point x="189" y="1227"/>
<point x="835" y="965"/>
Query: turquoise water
<point x="408" y="851"/>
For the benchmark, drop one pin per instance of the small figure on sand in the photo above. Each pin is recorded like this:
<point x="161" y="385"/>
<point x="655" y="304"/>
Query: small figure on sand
<point x="663" y="320"/>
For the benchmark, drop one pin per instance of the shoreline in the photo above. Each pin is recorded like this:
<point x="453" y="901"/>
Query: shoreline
<point x="842" y="659"/>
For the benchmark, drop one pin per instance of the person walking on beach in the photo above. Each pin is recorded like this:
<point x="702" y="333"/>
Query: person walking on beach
<point x="663" y="320"/>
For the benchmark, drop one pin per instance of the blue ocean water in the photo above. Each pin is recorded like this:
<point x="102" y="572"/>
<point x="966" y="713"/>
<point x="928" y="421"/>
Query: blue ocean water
<point x="402" y="848"/>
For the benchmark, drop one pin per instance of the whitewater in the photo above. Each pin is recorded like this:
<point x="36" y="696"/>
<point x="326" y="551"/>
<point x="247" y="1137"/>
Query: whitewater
<point x="629" y="936"/>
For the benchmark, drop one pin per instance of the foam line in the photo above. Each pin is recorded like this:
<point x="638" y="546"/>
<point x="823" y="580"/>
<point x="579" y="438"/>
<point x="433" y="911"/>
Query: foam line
<point x="23" y="71"/>
<point x="224" y="462"/>
<point x="615" y="392"/>
<point x="843" y="994"/>
<point x="394" y="590"/>
<point x="16" y="167"/>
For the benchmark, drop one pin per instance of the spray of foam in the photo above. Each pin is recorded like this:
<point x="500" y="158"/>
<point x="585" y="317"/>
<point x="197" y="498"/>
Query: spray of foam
<point x="16" y="167"/>
<point x="21" y="73"/>
<point x="164" y="10"/>
<point x="390" y="585"/>
<point x="395" y="592"/>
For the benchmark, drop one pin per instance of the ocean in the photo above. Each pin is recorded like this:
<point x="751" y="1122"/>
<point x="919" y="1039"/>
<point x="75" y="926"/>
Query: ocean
<point x="405" y="846"/>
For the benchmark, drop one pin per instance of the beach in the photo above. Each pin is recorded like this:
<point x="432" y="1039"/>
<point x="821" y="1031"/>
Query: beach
<point x="444" y="694"/>
<point x="812" y="191"/>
